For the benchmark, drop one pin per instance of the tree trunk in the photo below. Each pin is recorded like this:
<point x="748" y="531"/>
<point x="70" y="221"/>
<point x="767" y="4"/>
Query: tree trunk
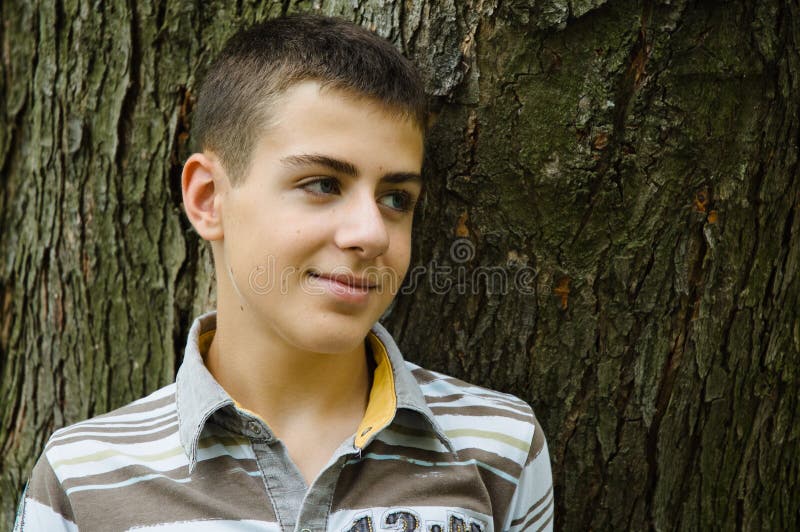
<point x="611" y="231"/>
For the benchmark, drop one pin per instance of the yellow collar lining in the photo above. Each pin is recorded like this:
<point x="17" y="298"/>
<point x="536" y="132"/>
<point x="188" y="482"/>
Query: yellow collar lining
<point x="382" y="397"/>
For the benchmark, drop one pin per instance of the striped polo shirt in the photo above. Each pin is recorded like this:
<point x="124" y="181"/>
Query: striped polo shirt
<point x="433" y="453"/>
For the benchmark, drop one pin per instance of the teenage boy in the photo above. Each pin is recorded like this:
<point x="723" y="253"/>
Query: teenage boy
<point x="293" y="408"/>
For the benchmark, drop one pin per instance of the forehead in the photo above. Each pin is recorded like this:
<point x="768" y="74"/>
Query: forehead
<point x="309" y="118"/>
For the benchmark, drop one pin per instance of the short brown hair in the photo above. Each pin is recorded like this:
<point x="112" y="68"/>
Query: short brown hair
<point x="258" y="64"/>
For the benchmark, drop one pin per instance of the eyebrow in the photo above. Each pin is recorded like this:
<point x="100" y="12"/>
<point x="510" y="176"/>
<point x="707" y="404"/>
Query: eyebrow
<point x="344" y="167"/>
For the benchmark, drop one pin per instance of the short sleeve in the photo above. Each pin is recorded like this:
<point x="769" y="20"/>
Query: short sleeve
<point x="44" y="504"/>
<point x="531" y="507"/>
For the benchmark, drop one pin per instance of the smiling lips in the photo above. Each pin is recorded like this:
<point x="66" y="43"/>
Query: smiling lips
<point x="347" y="280"/>
<point x="346" y="287"/>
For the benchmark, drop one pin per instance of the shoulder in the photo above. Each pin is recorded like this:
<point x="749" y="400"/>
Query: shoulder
<point x="86" y="456"/>
<point x="474" y="417"/>
<point x="500" y="435"/>
<point x="149" y="409"/>
<point x="100" y="443"/>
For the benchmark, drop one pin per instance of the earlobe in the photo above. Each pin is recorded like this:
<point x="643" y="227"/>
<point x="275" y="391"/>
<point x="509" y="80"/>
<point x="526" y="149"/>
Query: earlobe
<point x="201" y="195"/>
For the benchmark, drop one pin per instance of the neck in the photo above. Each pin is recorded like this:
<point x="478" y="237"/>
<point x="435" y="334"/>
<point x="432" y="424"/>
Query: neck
<point x="284" y="384"/>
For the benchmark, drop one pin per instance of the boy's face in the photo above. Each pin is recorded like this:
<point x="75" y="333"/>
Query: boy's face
<point x="329" y="193"/>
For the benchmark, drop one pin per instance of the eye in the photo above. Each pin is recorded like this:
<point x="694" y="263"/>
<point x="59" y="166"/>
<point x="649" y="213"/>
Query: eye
<point x="322" y="186"/>
<point x="399" y="200"/>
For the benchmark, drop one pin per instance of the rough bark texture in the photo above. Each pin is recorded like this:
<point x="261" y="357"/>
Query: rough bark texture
<point x="630" y="167"/>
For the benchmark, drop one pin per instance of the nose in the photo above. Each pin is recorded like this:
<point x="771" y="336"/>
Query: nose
<point x="361" y="227"/>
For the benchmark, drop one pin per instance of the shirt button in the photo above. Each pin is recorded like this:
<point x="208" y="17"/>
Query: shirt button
<point x="255" y="427"/>
<point x="306" y="530"/>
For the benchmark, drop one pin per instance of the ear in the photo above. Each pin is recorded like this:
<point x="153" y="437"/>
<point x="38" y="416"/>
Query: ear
<point x="201" y="184"/>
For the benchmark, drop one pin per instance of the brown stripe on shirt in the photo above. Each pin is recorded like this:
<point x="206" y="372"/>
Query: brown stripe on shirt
<point x="498" y="396"/>
<point x="424" y="376"/>
<point x="398" y="483"/>
<point x="538" y="442"/>
<point x="220" y="466"/>
<point x="119" y="436"/>
<point x="47" y="489"/>
<point x="412" y="431"/>
<point x="138" y="408"/>
<point x="214" y="492"/>
<point x="538" y="515"/>
<point x="519" y="520"/>
<point x="479" y="411"/>
<point x="506" y="465"/>
<point x="143" y="424"/>
<point x="522" y="408"/>
<point x="501" y="492"/>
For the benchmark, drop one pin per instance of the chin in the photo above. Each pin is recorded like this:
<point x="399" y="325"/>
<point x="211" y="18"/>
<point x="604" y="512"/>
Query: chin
<point x="333" y="340"/>
<point x="335" y="347"/>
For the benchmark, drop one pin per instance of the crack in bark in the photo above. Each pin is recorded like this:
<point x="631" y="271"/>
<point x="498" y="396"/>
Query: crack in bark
<point x="630" y="83"/>
<point x="688" y="305"/>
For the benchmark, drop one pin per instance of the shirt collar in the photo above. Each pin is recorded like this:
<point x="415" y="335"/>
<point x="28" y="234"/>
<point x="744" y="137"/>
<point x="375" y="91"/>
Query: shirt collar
<point x="199" y="395"/>
<point x="393" y="387"/>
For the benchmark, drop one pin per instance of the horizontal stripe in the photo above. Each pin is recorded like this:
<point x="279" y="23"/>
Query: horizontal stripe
<point x="399" y="437"/>
<point x="129" y="482"/>
<point x="123" y="416"/>
<point x="490" y="435"/>
<point x="125" y="437"/>
<point x="218" y="467"/>
<point x="87" y="426"/>
<point x="83" y="448"/>
<point x="115" y="453"/>
<point x="244" y="525"/>
<point x="398" y="484"/>
<point x="141" y="433"/>
<point x="479" y="411"/>
<point x="451" y="397"/>
<point x="425" y="463"/>
<point x="513" y="427"/>
<point x="466" y="399"/>
<point x="468" y="444"/>
<point x="481" y="396"/>
<point x="167" y="417"/>
<point x="499" y="461"/>
<point x="422" y="376"/>
<point x="143" y="478"/>
<point x="218" y="489"/>
<point x="444" y="385"/>
<point x="161" y="397"/>
<point x="170" y="458"/>
<point x="87" y="447"/>
<point x="164" y="391"/>
<point x="208" y="496"/>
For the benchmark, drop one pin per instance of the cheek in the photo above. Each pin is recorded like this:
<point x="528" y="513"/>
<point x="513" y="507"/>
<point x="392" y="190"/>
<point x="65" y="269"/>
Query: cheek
<point x="401" y="253"/>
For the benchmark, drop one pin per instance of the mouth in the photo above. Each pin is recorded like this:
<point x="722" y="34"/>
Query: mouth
<point x="350" y="281"/>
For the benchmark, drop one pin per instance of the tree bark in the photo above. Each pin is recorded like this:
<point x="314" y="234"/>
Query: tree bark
<point x="611" y="231"/>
